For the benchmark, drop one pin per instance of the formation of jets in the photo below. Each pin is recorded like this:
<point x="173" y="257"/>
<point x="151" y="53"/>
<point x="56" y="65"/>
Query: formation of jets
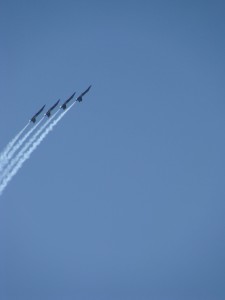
<point x="63" y="106"/>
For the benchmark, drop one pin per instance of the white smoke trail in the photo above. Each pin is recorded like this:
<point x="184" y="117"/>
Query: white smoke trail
<point x="26" y="155"/>
<point x="4" y="153"/>
<point x="26" y="146"/>
<point x="8" y="156"/>
<point x="21" y="141"/>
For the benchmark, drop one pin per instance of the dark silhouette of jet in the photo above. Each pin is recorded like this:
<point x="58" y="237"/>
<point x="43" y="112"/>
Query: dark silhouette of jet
<point x="48" y="113"/>
<point x="79" y="99"/>
<point x="63" y="106"/>
<point x="33" y="119"/>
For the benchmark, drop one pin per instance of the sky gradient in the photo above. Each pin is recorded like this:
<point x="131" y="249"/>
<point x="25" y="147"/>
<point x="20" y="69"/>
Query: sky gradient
<point x="125" y="199"/>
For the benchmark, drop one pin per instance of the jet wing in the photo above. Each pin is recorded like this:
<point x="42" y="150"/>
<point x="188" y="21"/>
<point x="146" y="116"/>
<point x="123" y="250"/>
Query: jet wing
<point x="87" y="90"/>
<point x="70" y="98"/>
<point x="82" y="94"/>
<point x="48" y="113"/>
<point x="63" y="106"/>
<point x="33" y="119"/>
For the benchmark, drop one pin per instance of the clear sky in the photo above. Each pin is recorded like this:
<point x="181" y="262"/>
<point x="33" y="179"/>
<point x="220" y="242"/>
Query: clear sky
<point x="125" y="199"/>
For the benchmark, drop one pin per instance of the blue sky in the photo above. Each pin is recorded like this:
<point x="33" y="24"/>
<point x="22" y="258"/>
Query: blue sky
<point x="125" y="198"/>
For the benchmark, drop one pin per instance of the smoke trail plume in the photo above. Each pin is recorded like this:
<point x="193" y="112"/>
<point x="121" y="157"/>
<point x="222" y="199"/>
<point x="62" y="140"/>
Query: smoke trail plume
<point x="26" y="155"/>
<point x="26" y="146"/>
<point x="4" y="153"/>
<point x="14" y="148"/>
<point x="23" y="139"/>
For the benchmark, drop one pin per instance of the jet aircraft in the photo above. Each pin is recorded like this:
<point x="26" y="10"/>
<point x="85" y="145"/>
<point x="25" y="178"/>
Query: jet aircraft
<point x="63" y="106"/>
<point x="33" y="119"/>
<point x="79" y="99"/>
<point x="48" y="113"/>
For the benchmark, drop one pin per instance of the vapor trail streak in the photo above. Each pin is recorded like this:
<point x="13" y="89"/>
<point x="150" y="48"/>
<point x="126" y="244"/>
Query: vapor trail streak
<point x="4" y="153"/>
<point x="24" y="149"/>
<point x="26" y="155"/>
<point x="21" y="141"/>
<point x="13" y="149"/>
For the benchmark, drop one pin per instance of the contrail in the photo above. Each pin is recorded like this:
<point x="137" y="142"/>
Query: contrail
<point x="13" y="149"/>
<point x="26" y="146"/>
<point x="27" y="154"/>
<point x="22" y="140"/>
<point x="4" y="153"/>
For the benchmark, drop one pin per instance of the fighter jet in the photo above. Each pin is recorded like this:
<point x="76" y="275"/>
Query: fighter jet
<point x="33" y="119"/>
<point x="82" y="94"/>
<point x="63" y="106"/>
<point x="48" y="113"/>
